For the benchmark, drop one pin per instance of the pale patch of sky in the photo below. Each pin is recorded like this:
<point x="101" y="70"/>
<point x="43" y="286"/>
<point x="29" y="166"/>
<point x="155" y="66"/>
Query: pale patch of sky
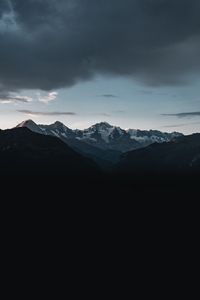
<point x="135" y="106"/>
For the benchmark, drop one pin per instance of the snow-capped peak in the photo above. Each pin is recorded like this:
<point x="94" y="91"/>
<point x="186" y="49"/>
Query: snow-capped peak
<point x="26" y="123"/>
<point x="102" y="130"/>
<point x="57" y="124"/>
<point x="101" y="125"/>
<point x="30" y="125"/>
<point x="57" y="129"/>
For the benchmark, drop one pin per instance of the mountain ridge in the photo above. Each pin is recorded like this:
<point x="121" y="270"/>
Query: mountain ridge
<point x="175" y="163"/>
<point x="103" y="135"/>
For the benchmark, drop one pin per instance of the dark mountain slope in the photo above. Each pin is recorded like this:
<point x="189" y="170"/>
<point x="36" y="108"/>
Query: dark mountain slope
<point x="181" y="156"/>
<point x="22" y="150"/>
<point x="104" y="158"/>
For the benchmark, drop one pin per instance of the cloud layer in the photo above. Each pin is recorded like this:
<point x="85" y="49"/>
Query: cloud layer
<point x="6" y="98"/>
<point x="184" y="114"/>
<point x="108" y="96"/>
<point x="42" y="113"/>
<point x="49" y="44"/>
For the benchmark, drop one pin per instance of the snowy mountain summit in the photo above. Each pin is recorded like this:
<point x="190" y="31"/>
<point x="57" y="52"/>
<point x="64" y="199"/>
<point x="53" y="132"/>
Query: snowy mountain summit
<point x="30" y="125"/>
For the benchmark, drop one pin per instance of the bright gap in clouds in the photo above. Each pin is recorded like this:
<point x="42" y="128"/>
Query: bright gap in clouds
<point x="47" y="98"/>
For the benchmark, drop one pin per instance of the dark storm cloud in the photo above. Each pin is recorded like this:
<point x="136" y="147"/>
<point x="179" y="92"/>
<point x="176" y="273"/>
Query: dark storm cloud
<point x="48" y="44"/>
<point x="184" y="114"/>
<point x="40" y="113"/>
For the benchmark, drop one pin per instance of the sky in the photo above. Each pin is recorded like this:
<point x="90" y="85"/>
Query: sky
<point x="131" y="63"/>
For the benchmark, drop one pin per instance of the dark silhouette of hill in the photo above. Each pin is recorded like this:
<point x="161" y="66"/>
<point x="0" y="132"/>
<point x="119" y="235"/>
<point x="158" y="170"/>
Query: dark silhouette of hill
<point x="23" y="151"/>
<point x="171" y="165"/>
<point x="181" y="156"/>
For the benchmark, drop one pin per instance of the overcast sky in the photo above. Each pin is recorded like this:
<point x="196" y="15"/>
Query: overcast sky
<point x="132" y="63"/>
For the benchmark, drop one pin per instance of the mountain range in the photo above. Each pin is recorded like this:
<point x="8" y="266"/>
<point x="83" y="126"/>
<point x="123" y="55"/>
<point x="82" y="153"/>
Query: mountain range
<point x="31" y="149"/>
<point x="102" y="142"/>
